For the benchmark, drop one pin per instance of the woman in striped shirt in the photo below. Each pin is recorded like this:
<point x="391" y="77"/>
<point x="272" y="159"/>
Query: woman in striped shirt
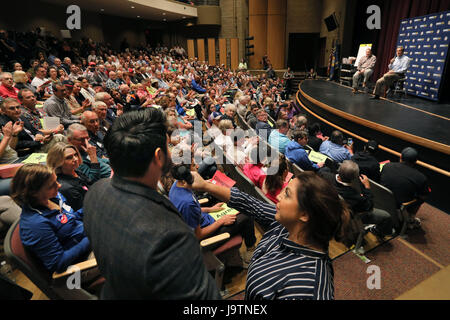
<point x="291" y="261"/>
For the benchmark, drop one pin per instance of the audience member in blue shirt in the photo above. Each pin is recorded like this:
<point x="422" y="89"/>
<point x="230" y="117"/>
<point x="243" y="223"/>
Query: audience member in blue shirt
<point x="201" y="222"/>
<point x="335" y="148"/>
<point x="263" y="128"/>
<point x="297" y="154"/>
<point x="48" y="226"/>
<point x="196" y="86"/>
<point x="278" y="138"/>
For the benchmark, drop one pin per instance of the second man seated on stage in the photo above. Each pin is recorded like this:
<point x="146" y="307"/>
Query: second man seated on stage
<point x="397" y="70"/>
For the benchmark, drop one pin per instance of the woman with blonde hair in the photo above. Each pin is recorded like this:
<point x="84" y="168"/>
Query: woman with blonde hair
<point x="20" y="79"/>
<point x="65" y="159"/>
<point x="223" y="140"/>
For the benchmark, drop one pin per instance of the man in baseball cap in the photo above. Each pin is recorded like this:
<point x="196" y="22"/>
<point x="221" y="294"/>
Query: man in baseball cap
<point x="409" y="155"/>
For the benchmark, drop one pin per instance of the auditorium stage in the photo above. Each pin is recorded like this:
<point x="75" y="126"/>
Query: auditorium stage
<point x="410" y="121"/>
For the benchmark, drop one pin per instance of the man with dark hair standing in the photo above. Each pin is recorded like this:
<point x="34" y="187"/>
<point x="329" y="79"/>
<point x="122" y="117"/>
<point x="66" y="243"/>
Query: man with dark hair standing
<point x="142" y="245"/>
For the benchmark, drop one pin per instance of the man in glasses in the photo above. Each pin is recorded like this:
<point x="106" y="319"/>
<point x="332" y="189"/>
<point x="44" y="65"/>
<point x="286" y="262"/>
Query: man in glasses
<point x="29" y="139"/>
<point x="7" y="90"/>
<point x="56" y="106"/>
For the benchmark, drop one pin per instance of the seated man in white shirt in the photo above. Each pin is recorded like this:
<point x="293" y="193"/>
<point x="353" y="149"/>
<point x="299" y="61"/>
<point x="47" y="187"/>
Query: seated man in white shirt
<point x="397" y="70"/>
<point x="40" y="82"/>
<point x="365" y="69"/>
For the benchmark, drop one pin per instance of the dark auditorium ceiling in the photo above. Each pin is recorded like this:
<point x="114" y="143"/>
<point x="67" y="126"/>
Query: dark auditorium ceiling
<point x="145" y="9"/>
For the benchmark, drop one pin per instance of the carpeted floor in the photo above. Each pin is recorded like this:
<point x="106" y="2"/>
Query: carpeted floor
<point x="403" y="264"/>
<point x="401" y="269"/>
<point x="433" y="238"/>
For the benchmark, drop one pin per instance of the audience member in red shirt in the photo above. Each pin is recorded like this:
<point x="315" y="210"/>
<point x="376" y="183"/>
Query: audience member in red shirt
<point x="253" y="169"/>
<point x="6" y="88"/>
<point x="274" y="184"/>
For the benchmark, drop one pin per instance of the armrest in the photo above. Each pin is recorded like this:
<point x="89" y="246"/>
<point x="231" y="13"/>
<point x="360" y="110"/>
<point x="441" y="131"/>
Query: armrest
<point x="407" y="204"/>
<point x="85" y="265"/>
<point x="203" y="201"/>
<point x="214" y="240"/>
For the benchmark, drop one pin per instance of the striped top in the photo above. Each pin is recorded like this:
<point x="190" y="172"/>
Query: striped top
<point x="280" y="268"/>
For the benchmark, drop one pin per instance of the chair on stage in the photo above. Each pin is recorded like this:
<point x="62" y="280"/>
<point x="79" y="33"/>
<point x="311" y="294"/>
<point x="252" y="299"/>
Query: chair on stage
<point x="398" y="88"/>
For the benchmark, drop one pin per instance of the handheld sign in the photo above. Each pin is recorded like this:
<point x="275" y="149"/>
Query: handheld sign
<point x="36" y="158"/>
<point x="225" y="211"/>
<point x="222" y="180"/>
<point x="382" y="164"/>
<point x="317" y="157"/>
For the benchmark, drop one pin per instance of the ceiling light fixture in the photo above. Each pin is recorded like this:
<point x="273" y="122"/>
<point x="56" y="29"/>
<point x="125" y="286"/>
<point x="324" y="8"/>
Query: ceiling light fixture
<point x="132" y="7"/>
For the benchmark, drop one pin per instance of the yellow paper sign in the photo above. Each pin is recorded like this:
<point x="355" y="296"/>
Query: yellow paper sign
<point x="191" y="112"/>
<point x="225" y="211"/>
<point x="317" y="157"/>
<point x="36" y="158"/>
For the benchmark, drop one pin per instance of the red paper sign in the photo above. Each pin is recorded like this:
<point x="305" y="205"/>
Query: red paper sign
<point x="222" y="180"/>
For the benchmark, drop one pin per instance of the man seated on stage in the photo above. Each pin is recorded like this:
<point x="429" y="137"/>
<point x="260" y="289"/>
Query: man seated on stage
<point x="397" y="70"/>
<point x="365" y="68"/>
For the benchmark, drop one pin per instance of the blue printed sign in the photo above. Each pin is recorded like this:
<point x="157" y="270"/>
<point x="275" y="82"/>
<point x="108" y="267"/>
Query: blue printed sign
<point x="426" y="41"/>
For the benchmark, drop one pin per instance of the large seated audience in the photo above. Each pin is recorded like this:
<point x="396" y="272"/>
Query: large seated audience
<point x="113" y="110"/>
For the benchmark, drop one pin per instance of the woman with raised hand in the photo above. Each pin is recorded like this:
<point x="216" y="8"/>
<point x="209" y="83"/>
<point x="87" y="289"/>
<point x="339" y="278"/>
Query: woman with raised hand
<point x="291" y="261"/>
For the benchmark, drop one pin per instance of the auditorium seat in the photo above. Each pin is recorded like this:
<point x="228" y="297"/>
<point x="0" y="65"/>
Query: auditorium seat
<point x="383" y="198"/>
<point x="214" y="258"/>
<point x="295" y="169"/>
<point x="53" y="286"/>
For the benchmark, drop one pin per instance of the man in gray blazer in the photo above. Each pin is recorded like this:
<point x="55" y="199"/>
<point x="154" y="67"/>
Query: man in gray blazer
<point x="143" y="247"/>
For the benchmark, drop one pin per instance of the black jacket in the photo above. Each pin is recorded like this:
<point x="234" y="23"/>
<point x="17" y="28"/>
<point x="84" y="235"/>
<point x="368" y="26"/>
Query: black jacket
<point x="74" y="189"/>
<point x="314" y="143"/>
<point x="358" y="202"/>
<point x="97" y="141"/>
<point x="368" y="165"/>
<point x="407" y="183"/>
